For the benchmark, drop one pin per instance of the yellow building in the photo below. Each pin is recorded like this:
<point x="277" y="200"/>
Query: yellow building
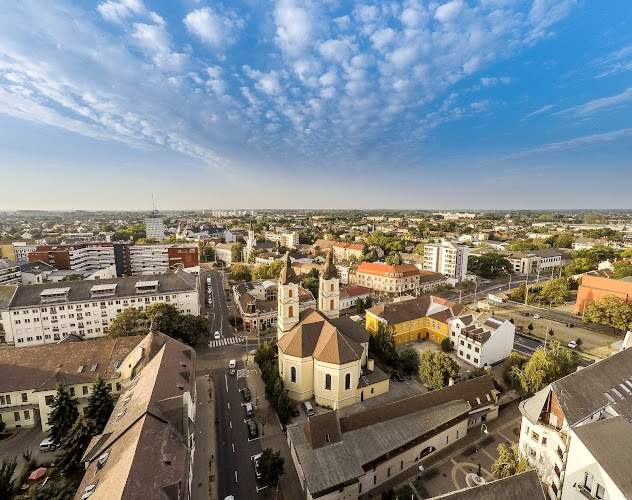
<point x="425" y="317"/>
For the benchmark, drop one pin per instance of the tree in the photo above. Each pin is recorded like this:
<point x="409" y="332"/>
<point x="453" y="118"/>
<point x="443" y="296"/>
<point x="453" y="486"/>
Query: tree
<point x="409" y="361"/>
<point x="271" y="466"/>
<point x="518" y="293"/>
<point x="63" y="415"/>
<point x="75" y="444"/>
<point x="128" y="322"/>
<point x="419" y="249"/>
<point x="530" y="327"/>
<point x="264" y="355"/>
<point x="545" y="366"/>
<point x="382" y="344"/>
<point x="100" y="404"/>
<point x="359" y="306"/>
<point x="436" y="369"/>
<point x="393" y="259"/>
<point x="165" y="317"/>
<point x="564" y="240"/>
<point x="610" y="310"/>
<point x="555" y="290"/>
<point x="145" y="241"/>
<point x="54" y="490"/>
<point x="192" y="328"/>
<point x="235" y="252"/>
<point x="367" y="302"/>
<point x="310" y="283"/>
<point x="7" y="469"/>
<point x="284" y="406"/>
<point x="621" y="269"/>
<point x="510" y="461"/>
<point x="446" y="345"/>
<point x="405" y="492"/>
<point x="240" y="272"/>
<point x="489" y="265"/>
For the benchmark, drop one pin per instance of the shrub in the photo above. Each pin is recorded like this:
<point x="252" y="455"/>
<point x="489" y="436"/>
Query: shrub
<point x="446" y="345"/>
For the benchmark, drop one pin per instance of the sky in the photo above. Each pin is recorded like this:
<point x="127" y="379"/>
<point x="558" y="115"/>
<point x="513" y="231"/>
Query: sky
<point x="480" y="104"/>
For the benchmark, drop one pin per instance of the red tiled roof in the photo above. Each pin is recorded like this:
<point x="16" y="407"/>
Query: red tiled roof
<point x="350" y="246"/>
<point x="384" y="269"/>
<point x="354" y="291"/>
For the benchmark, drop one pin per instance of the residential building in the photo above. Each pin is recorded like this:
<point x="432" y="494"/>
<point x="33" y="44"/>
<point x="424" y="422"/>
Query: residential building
<point x="28" y="388"/>
<point x="34" y="272"/>
<point x="146" y="449"/>
<point x="347" y="251"/>
<point x="47" y="313"/>
<point x="482" y="339"/>
<point x="395" y="280"/>
<point x="340" y="454"/>
<point x="593" y="288"/>
<point x="155" y="227"/>
<point x="425" y="317"/>
<point x="154" y="259"/>
<point x="321" y="355"/>
<point x="77" y="257"/>
<point x="21" y="249"/>
<point x="10" y="272"/>
<point x="224" y="253"/>
<point x="287" y="239"/>
<point x="585" y="243"/>
<point x="448" y="258"/>
<point x="322" y="246"/>
<point x="350" y="295"/>
<point x="524" y="486"/>
<point x="257" y="300"/>
<point x="553" y="417"/>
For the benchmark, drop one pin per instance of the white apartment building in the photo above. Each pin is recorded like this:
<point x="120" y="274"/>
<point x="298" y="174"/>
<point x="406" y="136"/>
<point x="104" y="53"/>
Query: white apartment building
<point x="154" y="227"/>
<point x="149" y="259"/>
<point x="10" y="272"/>
<point x="285" y="239"/>
<point x="482" y="339"/>
<point x="91" y="257"/>
<point x="22" y="250"/>
<point x="448" y="258"/>
<point x="224" y="253"/>
<point x="48" y="313"/>
<point x="552" y="420"/>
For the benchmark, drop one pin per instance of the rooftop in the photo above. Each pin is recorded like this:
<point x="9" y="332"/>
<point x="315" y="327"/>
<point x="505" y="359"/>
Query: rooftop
<point x="525" y="486"/>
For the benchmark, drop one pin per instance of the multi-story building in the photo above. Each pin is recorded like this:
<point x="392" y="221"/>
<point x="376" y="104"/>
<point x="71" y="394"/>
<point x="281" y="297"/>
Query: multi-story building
<point x="448" y="258"/>
<point x="34" y="272"/>
<point x="28" y="388"/>
<point x="147" y="447"/>
<point x="482" y="339"/>
<point x="287" y="239"/>
<point x="224" y="253"/>
<point x="347" y="251"/>
<point x="594" y="288"/>
<point x="21" y="250"/>
<point x="425" y="317"/>
<point x="10" y="272"/>
<point x="553" y="419"/>
<point x="395" y="280"/>
<point x="155" y="227"/>
<point x="154" y="259"/>
<point x="47" y="313"/>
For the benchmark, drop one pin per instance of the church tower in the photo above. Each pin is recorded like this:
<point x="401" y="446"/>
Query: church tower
<point x="329" y="289"/>
<point x="288" y="305"/>
<point x="251" y="243"/>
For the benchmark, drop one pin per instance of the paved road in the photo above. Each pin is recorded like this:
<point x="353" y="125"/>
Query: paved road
<point x="525" y="346"/>
<point x="498" y="286"/>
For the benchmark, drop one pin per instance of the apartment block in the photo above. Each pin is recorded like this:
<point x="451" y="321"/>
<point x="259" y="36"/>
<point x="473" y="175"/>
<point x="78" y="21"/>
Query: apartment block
<point x="48" y="313"/>
<point x="448" y="258"/>
<point x="395" y="280"/>
<point x="10" y="272"/>
<point x="347" y="251"/>
<point x="154" y="227"/>
<point x="285" y="239"/>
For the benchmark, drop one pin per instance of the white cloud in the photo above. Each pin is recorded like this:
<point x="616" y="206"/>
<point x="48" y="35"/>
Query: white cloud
<point x="293" y="27"/>
<point x="543" y="109"/>
<point x="411" y="17"/>
<point x="597" y="105"/>
<point x="118" y="11"/>
<point x="212" y="28"/>
<point x="343" y="22"/>
<point x="336" y="50"/>
<point x="449" y="11"/>
<point x="382" y="38"/>
<point x="365" y="13"/>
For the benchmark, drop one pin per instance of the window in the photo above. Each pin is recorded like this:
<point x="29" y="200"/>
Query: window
<point x="293" y="374"/>
<point x="16" y="416"/>
<point x="331" y="304"/>
<point x="49" y="400"/>
<point x="72" y="391"/>
<point x="544" y="441"/>
<point x="8" y="399"/>
<point x="347" y="381"/>
<point x="462" y="343"/>
<point x="535" y="436"/>
<point x="588" y="481"/>
<point x="25" y="397"/>
<point x="328" y="382"/>
<point x="291" y="311"/>
<point x="374" y="479"/>
<point x="27" y="415"/>
<point x="388" y="472"/>
<point x="401" y="465"/>
<point x="290" y="292"/>
<point x="600" y="492"/>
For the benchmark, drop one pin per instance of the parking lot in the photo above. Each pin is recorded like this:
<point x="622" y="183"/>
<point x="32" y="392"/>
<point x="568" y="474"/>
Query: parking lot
<point x="26" y="438"/>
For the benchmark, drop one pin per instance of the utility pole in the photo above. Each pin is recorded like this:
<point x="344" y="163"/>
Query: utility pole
<point x="460" y="294"/>
<point x="475" y="289"/>
<point x="509" y="289"/>
<point x="258" y="331"/>
<point x="526" y="288"/>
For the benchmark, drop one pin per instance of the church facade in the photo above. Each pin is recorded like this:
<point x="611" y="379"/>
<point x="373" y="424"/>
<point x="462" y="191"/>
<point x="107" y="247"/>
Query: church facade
<point x="322" y="355"/>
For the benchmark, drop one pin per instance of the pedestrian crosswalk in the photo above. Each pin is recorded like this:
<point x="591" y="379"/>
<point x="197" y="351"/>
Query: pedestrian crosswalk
<point x="225" y="341"/>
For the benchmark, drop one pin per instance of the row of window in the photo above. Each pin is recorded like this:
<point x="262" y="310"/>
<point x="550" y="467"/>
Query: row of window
<point x="468" y="357"/>
<point x="6" y="400"/>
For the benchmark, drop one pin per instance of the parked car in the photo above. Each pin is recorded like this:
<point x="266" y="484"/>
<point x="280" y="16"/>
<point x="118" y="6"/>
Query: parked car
<point x="572" y="344"/>
<point x="295" y="412"/>
<point x="256" y="459"/>
<point x="253" y="431"/>
<point x="569" y="325"/>
<point x="308" y="408"/>
<point x="217" y="335"/>
<point x="399" y="376"/>
<point x="524" y="313"/>
<point x="232" y="364"/>
<point x="248" y="407"/>
<point x="519" y="328"/>
<point x="536" y="316"/>
<point x="426" y="451"/>
<point x="245" y="392"/>
<point x="47" y="445"/>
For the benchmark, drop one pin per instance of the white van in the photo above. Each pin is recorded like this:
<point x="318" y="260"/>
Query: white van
<point x="309" y="410"/>
<point x="248" y="409"/>
<point x="232" y="365"/>
<point x="47" y="445"/>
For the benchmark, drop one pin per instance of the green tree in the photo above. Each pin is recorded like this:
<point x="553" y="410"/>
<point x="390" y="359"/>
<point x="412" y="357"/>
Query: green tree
<point x="611" y="311"/>
<point x="382" y="344"/>
<point x="621" y="269"/>
<point x="564" y="240"/>
<point x="359" y="306"/>
<point x="284" y="407"/>
<point x="274" y="269"/>
<point x="419" y="249"/>
<point x="129" y="321"/>
<point x="545" y="366"/>
<point x="510" y="461"/>
<point x="409" y="361"/>
<point x="271" y="466"/>
<point x="555" y="290"/>
<point x="489" y="265"/>
<point x="192" y="328"/>
<point x="436" y="369"/>
<point x="7" y="469"/>
<point x="405" y="492"/>
<point x="367" y="302"/>
<point x="446" y="345"/>
<point x="236" y="252"/>
<point x="75" y="443"/>
<point x="165" y="318"/>
<point x="264" y="355"/>
<point x="54" y="490"/>
<point x="393" y="259"/>
<point x="100" y="404"/>
<point x="145" y="241"/>
<point x="63" y="415"/>
<point x="310" y="283"/>
<point x="240" y="272"/>
<point x="518" y="293"/>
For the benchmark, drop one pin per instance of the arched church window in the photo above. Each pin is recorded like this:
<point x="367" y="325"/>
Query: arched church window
<point x="293" y="374"/>
<point x="331" y="304"/>
<point x="291" y="310"/>
<point x="328" y="382"/>
<point x="290" y="292"/>
<point x="347" y="381"/>
<point x="332" y="287"/>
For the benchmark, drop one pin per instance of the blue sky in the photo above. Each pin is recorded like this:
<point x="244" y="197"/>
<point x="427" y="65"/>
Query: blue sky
<point x="316" y="104"/>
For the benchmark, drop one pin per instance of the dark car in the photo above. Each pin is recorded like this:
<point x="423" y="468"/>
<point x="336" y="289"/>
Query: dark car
<point x="295" y="412"/>
<point x="252" y="428"/>
<point x="426" y="451"/>
<point x="569" y="325"/>
<point x="525" y="313"/>
<point x="399" y="376"/>
<point x="519" y="328"/>
<point x="245" y="392"/>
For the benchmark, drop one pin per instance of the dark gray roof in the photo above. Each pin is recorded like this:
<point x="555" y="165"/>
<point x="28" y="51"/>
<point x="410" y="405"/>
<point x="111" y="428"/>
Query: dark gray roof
<point x="525" y="486"/>
<point x="28" y="266"/>
<point x="29" y="295"/>
<point x="610" y="442"/>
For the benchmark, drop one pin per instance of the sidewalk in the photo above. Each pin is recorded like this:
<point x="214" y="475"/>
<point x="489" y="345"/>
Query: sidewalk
<point x="205" y="484"/>
<point x="272" y="436"/>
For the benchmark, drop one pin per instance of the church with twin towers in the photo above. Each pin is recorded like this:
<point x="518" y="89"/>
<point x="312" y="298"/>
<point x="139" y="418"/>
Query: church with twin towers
<point x="323" y="355"/>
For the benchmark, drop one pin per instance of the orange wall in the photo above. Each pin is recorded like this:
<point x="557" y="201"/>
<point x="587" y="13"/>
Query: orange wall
<point x="593" y="288"/>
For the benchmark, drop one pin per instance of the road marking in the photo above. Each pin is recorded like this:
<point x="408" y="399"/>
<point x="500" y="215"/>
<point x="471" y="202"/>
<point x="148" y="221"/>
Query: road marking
<point x="233" y="447"/>
<point x="226" y="379"/>
<point x="231" y="423"/>
<point x="253" y="439"/>
<point x="236" y="476"/>
<point x="229" y="406"/>
<point x="264" y="487"/>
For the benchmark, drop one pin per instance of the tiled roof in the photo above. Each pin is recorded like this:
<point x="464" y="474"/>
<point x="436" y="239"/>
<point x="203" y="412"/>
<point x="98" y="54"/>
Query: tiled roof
<point x="384" y="269"/>
<point x="427" y="306"/>
<point x="525" y="486"/>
